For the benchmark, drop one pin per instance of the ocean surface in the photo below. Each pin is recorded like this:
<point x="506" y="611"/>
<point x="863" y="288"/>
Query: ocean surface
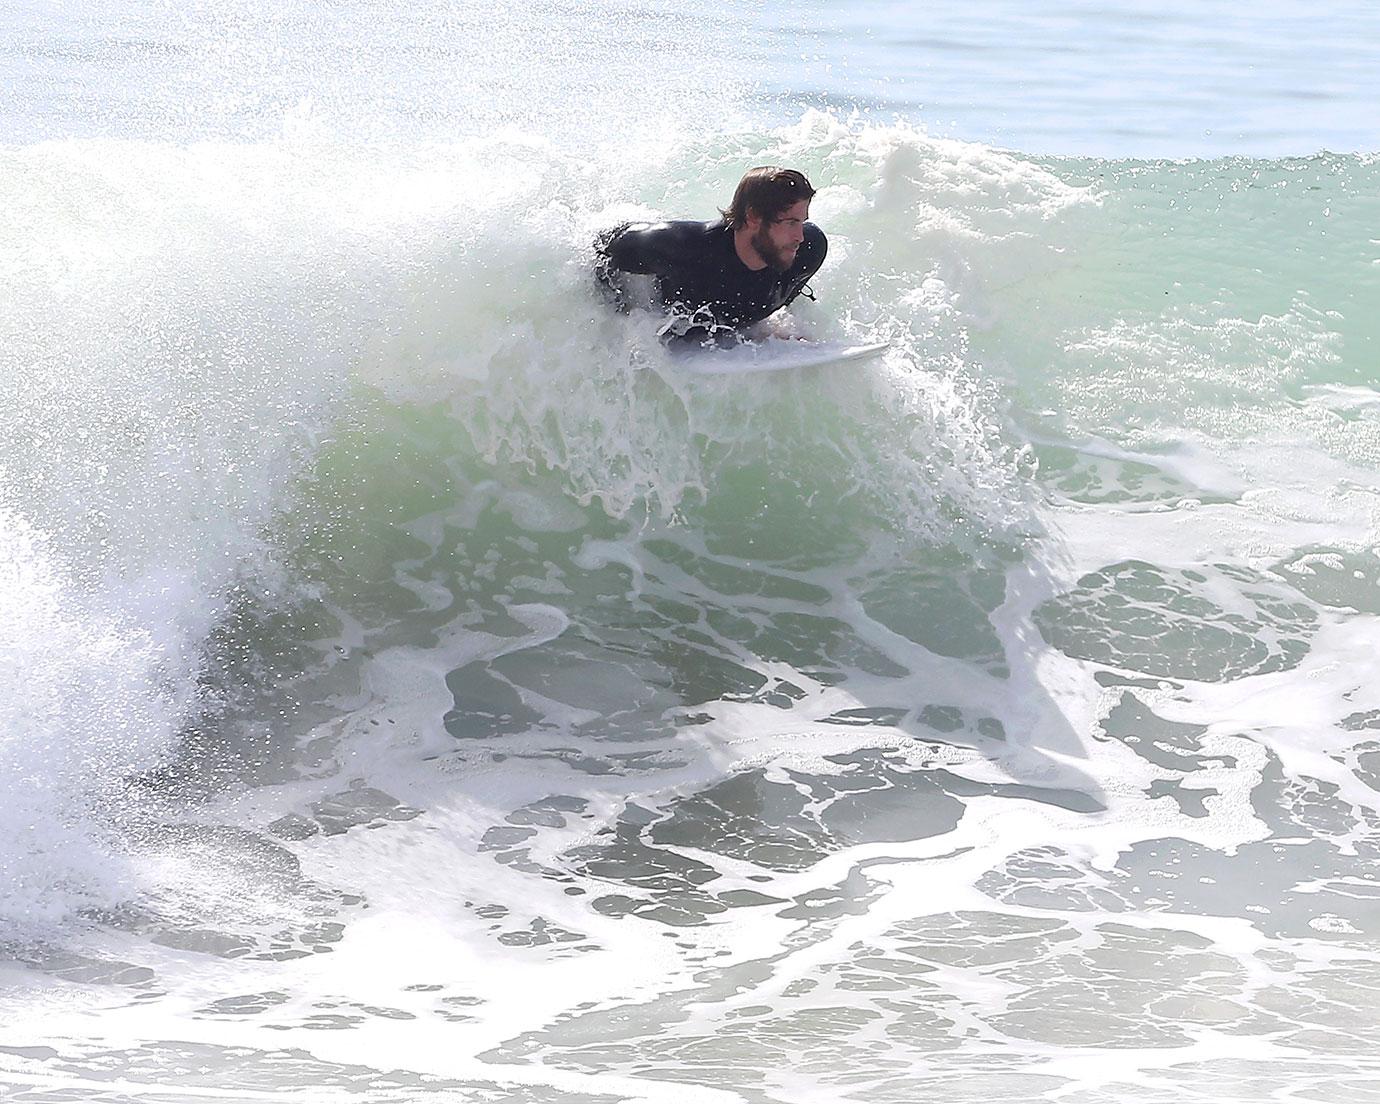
<point x="413" y="688"/>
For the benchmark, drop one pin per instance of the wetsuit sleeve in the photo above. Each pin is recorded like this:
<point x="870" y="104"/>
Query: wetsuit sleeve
<point x="607" y="270"/>
<point x="812" y="253"/>
<point x="662" y="249"/>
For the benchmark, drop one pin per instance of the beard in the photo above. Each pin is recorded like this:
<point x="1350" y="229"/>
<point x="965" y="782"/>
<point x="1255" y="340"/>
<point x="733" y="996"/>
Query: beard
<point x="779" y="259"/>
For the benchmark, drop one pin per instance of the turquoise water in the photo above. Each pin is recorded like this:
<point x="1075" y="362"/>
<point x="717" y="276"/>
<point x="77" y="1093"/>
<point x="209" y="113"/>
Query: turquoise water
<point x="416" y="688"/>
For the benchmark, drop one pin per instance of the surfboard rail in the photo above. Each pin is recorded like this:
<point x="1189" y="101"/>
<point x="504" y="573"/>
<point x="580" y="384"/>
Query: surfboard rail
<point x="775" y="354"/>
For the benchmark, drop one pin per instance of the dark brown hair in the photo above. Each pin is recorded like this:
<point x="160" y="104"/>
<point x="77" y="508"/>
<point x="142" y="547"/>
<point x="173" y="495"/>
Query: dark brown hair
<point x="768" y="190"/>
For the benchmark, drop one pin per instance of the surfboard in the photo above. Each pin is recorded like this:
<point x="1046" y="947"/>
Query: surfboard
<point x="774" y="354"/>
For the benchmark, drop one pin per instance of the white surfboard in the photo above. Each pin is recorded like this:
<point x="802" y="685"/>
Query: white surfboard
<point x="775" y="354"/>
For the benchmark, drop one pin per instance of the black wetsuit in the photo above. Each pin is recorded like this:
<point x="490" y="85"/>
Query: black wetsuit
<point x="700" y="280"/>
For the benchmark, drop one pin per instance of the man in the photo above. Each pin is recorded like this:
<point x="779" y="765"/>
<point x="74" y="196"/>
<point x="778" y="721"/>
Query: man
<point x="714" y="279"/>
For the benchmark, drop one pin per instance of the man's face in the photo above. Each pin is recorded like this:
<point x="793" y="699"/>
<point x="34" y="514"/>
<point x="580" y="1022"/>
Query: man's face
<point x="778" y="240"/>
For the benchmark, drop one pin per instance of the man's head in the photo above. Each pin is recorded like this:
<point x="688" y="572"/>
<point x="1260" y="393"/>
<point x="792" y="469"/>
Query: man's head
<point x="768" y="213"/>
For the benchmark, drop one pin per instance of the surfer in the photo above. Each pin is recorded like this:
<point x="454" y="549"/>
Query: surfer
<point x="715" y="279"/>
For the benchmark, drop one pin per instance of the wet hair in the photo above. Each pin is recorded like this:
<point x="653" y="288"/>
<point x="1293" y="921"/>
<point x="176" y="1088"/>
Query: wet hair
<point x="768" y="190"/>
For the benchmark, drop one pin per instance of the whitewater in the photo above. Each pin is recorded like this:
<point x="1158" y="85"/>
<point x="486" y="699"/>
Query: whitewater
<point x="413" y="687"/>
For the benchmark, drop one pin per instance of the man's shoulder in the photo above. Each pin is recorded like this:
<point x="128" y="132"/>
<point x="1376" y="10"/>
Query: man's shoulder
<point x="673" y="237"/>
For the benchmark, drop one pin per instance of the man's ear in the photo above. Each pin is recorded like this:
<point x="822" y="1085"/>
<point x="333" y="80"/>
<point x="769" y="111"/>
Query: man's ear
<point x="752" y="220"/>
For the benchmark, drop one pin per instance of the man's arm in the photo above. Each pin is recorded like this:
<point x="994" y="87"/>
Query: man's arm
<point x="629" y="249"/>
<point x="661" y="249"/>
<point x="640" y="248"/>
